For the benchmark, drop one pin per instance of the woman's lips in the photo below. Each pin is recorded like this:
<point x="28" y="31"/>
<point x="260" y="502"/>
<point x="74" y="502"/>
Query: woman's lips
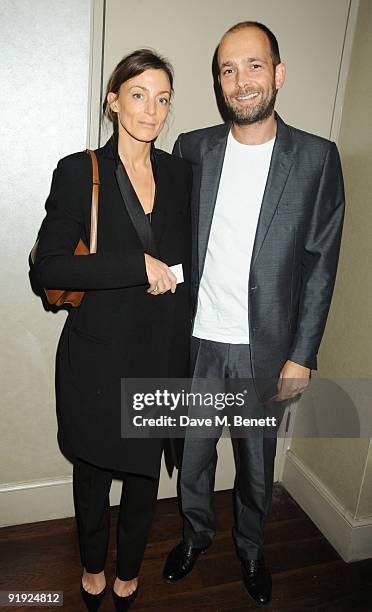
<point x="146" y="124"/>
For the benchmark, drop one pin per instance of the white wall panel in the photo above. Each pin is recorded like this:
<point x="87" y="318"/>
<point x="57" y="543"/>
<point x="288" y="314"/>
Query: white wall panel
<point x="310" y="35"/>
<point x="44" y="72"/>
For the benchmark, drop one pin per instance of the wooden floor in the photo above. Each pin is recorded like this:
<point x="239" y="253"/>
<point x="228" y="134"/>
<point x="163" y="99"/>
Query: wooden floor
<point x="307" y="572"/>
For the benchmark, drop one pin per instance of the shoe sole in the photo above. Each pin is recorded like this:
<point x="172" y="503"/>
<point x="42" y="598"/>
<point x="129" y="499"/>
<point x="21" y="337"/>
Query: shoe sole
<point x="186" y="575"/>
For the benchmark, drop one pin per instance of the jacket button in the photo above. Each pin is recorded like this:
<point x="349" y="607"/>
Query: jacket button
<point x="254" y="288"/>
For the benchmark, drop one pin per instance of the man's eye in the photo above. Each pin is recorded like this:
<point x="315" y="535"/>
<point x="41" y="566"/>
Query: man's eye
<point x="255" y="66"/>
<point x="227" y="71"/>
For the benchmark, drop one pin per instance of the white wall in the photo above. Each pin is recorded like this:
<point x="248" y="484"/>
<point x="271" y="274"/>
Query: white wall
<point x="311" y="38"/>
<point x="310" y="35"/>
<point x="44" y="72"/>
<point x="331" y="478"/>
<point x="45" y="77"/>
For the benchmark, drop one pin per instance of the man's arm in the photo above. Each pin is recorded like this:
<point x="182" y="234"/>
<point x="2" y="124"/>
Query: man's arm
<point x="318" y="275"/>
<point x="319" y="262"/>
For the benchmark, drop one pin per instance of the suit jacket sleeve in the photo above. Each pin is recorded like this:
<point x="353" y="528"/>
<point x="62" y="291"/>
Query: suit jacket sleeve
<point x="177" y="147"/>
<point x="56" y="266"/>
<point x="319" y="263"/>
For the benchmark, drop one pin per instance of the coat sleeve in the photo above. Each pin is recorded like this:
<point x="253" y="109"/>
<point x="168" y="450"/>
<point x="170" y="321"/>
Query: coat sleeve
<point x="319" y="262"/>
<point x="56" y="266"/>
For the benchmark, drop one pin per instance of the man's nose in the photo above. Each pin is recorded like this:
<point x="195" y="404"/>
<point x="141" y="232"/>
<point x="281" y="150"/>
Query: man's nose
<point x="241" y="79"/>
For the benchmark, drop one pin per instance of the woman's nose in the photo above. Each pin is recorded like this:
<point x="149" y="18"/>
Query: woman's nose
<point x="151" y="107"/>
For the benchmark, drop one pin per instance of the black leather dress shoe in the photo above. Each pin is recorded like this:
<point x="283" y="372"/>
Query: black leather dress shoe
<point x="257" y="581"/>
<point x="181" y="561"/>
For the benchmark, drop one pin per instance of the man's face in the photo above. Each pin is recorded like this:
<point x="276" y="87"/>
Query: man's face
<point x="249" y="80"/>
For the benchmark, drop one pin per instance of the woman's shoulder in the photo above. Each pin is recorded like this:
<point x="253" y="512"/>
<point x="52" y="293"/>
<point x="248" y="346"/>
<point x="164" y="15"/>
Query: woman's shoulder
<point x="74" y="169"/>
<point x="74" y="161"/>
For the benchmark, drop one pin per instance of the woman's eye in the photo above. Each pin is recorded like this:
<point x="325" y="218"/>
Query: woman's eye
<point x="163" y="100"/>
<point x="138" y="96"/>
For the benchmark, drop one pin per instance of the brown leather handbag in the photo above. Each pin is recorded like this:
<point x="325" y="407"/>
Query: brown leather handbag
<point x="59" y="297"/>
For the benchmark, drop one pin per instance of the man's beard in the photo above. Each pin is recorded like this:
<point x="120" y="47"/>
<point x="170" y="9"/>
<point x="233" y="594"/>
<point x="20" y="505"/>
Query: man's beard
<point x="254" y="113"/>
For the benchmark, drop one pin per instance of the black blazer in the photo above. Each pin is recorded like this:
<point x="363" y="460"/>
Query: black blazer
<point x="118" y="330"/>
<point x="296" y="248"/>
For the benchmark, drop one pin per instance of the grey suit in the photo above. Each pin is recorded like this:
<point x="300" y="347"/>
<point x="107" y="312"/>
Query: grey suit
<point x="292" y="272"/>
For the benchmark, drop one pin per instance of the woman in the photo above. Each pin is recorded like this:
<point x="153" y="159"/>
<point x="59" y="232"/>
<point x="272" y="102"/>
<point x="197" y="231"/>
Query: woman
<point x="133" y="321"/>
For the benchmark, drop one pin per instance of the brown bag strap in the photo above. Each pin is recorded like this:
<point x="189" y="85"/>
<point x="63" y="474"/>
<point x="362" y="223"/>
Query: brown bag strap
<point x="94" y="208"/>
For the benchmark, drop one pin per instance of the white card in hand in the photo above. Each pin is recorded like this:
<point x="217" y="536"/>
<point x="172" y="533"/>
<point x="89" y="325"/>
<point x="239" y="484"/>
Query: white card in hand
<point x="178" y="272"/>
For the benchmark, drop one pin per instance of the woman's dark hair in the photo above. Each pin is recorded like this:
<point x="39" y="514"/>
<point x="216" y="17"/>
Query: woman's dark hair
<point x="130" y="66"/>
<point x="274" y="46"/>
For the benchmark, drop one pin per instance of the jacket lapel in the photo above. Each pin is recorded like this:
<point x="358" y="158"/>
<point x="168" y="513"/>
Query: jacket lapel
<point x="212" y="163"/>
<point x="136" y="212"/>
<point x="281" y="162"/>
<point x="130" y="199"/>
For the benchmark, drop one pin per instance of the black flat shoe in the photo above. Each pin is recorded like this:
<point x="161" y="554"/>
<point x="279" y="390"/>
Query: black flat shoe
<point x="257" y="581"/>
<point x="181" y="561"/>
<point x="124" y="603"/>
<point x="91" y="601"/>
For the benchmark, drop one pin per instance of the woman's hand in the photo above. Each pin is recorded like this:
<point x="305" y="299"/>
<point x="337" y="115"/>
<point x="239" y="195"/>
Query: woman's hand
<point x="161" y="278"/>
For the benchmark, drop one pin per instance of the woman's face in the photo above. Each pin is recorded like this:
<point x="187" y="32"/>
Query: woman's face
<point x="142" y="104"/>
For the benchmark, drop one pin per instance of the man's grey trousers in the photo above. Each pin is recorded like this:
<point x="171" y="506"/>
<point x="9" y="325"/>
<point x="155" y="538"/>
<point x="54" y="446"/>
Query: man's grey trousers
<point x="254" y="454"/>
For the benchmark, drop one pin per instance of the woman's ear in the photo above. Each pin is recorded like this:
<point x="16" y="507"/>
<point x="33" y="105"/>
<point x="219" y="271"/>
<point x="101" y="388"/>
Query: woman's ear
<point x="112" y="101"/>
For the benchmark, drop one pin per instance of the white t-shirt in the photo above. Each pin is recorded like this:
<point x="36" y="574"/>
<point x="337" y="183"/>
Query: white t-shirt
<point x="222" y="310"/>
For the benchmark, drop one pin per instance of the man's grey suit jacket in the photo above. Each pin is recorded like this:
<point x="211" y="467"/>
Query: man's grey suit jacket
<point x="297" y="242"/>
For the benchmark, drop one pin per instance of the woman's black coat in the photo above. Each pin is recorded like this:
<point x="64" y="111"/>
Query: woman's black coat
<point x="118" y="330"/>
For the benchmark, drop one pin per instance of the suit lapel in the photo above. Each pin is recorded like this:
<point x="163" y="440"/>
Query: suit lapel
<point x="280" y="166"/>
<point x="212" y="163"/>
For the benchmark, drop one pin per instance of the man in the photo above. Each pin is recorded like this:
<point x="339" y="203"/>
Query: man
<point x="268" y="208"/>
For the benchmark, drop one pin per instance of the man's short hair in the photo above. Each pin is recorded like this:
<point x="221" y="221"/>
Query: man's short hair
<point x="274" y="47"/>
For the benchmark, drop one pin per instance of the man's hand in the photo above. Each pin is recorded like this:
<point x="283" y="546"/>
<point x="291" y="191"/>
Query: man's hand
<point x="161" y="278"/>
<point x="293" y="379"/>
